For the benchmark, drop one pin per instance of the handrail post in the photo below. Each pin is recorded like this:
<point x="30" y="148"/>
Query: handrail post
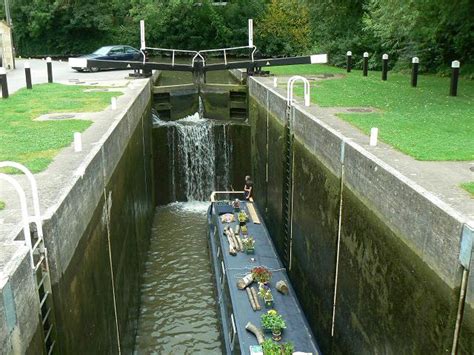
<point x="34" y="191"/>
<point x="290" y="87"/>
<point x="24" y="212"/>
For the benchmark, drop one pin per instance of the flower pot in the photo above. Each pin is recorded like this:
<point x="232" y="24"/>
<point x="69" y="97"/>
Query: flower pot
<point x="249" y="251"/>
<point x="276" y="335"/>
<point x="268" y="302"/>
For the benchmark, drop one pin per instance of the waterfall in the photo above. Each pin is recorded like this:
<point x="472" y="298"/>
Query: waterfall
<point x="198" y="147"/>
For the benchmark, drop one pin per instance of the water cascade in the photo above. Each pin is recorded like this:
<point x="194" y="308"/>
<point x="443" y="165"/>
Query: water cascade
<point x="200" y="156"/>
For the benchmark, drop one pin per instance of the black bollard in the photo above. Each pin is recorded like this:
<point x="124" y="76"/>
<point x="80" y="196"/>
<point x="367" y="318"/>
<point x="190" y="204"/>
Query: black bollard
<point x="349" y="61"/>
<point x="365" y="66"/>
<point x="3" y="82"/>
<point x="454" y="78"/>
<point x="49" y="65"/>
<point x="414" y="71"/>
<point x="384" y="66"/>
<point x="28" y="76"/>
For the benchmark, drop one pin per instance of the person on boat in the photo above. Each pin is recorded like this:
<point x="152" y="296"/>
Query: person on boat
<point x="248" y="188"/>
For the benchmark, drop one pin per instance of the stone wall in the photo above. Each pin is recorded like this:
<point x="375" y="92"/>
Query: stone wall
<point x="398" y="274"/>
<point x="98" y="237"/>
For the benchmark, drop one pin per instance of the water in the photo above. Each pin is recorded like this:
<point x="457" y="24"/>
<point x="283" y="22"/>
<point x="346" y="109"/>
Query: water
<point x="178" y="311"/>
<point x="200" y="156"/>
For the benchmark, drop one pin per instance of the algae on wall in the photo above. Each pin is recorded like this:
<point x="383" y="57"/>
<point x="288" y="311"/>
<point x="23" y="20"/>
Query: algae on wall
<point x="315" y="216"/>
<point x="267" y="130"/>
<point x="389" y="300"/>
<point x="120" y="228"/>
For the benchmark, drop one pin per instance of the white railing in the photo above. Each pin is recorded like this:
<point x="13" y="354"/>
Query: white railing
<point x="290" y="89"/>
<point x="24" y="206"/>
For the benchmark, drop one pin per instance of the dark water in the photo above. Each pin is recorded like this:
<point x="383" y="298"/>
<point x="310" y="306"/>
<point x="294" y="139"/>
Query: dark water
<point x="178" y="311"/>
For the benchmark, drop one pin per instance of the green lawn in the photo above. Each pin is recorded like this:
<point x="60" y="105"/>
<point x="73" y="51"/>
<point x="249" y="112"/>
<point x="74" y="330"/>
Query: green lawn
<point x="35" y="143"/>
<point x="2" y="205"/>
<point x="424" y="122"/>
<point x="469" y="187"/>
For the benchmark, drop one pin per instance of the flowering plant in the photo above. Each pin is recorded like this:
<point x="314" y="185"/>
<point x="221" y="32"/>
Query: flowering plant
<point x="273" y="321"/>
<point x="248" y="243"/>
<point x="270" y="347"/>
<point x="261" y="274"/>
<point x="264" y="291"/>
<point x="243" y="217"/>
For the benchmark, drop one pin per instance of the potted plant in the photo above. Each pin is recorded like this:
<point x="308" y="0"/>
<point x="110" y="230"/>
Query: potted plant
<point x="236" y="205"/>
<point x="244" y="230"/>
<point x="249" y="245"/>
<point x="261" y="274"/>
<point x="274" y="322"/>
<point x="243" y="218"/>
<point x="269" y="347"/>
<point x="265" y="292"/>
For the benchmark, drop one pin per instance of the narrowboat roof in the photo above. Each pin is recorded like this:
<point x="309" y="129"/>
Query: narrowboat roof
<point x="297" y="331"/>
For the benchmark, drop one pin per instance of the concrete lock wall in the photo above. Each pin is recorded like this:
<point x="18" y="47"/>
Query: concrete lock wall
<point x="398" y="270"/>
<point x="97" y="237"/>
<point x="107" y="218"/>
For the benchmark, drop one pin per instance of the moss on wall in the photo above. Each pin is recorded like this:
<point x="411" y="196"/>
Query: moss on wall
<point x="389" y="300"/>
<point x="266" y="129"/>
<point x="315" y="215"/>
<point x="83" y="297"/>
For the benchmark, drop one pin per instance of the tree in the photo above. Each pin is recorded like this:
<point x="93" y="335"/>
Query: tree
<point x="284" y="29"/>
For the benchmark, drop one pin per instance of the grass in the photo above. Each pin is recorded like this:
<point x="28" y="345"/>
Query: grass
<point x="469" y="187"/>
<point x="35" y="143"/>
<point x="423" y="122"/>
<point x="2" y="205"/>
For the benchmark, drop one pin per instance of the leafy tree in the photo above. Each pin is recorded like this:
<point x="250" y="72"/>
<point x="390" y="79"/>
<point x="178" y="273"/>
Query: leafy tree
<point x="436" y="31"/>
<point x="285" y="28"/>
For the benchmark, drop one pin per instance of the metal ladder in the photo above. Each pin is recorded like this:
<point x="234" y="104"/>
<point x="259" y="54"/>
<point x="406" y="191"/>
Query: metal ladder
<point x="287" y="189"/>
<point x="288" y="169"/>
<point x="38" y="254"/>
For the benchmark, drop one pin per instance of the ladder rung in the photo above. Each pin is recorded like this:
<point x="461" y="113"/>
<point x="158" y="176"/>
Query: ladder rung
<point x="33" y="248"/>
<point x="45" y="318"/>
<point x="51" y="347"/>
<point x="39" y="263"/>
<point x="48" y="333"/>
<point x="45" y="297"/>
<point x="42" y="281"/>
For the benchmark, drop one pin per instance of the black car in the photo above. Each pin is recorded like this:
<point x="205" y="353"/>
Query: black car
<point x="119" y="52"/>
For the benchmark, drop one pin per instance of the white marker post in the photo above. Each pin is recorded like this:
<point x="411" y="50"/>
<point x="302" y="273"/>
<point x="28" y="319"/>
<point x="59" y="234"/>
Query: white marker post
<point x="114" y="103"/>
<point x="142" y="35"/>
<point x="250" y="32"/>
<point x="77" y="142"/>
<point x="275" y="82"/>
<point x="374" y="132"/>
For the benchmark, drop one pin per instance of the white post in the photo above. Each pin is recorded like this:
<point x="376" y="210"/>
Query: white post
<point x="114" y="103"/>
<point x="374" y="132"/>
<point x="275" y="82"/>
<point x="250" y="32"/>
<point x="142" y="35"/>
<point x="77" y="142"/>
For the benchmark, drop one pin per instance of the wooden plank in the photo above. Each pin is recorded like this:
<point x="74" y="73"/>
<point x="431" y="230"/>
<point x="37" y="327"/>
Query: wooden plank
<point x="253" y="213"/>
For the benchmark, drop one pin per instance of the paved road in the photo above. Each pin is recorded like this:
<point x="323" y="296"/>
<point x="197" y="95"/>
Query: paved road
<point x="61" y="72"/>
